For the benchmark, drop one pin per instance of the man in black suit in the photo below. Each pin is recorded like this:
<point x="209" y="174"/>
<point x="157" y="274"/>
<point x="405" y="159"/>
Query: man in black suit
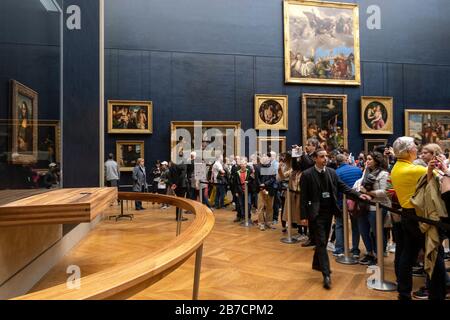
<point x="303" y="163"/>
<point x="319" y="187"/>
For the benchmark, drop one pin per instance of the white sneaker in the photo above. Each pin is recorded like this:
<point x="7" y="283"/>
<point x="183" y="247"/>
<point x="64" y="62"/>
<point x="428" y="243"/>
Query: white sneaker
<point x="330" y="247"/>
<point x="262" y="227"/>
<point x="391" y="248"/>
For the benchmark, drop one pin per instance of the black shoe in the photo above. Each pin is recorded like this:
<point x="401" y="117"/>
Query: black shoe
<point x="308" y="244"/>
<point x="419" y="272"/>
<point x="367" y="260"/>
<point x="327" y="282"/>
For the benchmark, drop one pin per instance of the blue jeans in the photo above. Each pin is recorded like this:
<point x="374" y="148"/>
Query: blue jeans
<point x="368" y="229"/>
<point x="339" y="230"/>
<point x="220" y="196"/>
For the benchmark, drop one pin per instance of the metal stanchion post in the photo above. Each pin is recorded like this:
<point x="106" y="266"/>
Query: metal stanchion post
<point x="287" y="205"/>
<point x="377" y="280"/>
<point x="247" y="223"/>
<point x="200" y="192"/>
<point x="178" y="213"/>
<point x="347" y="258"/>
<point x="198" y="265"/>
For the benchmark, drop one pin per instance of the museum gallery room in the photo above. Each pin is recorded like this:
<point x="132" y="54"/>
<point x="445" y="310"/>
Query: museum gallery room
<point x="224" y="150"/>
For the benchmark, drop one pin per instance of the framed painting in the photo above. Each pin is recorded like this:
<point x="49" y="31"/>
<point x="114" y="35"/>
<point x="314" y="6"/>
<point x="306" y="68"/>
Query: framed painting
<point x="215" y="137"/>
<point x="268" y="144"/>
<point x="377" y="115"/>
<point x="128" y="116"/>
<point x="428" y="126"/>
<point x="370" y="144"/>
<point x="127" y="153"/>
<point x="325" y="118"/>
<point x="24" y="115"/>
<point x="271" y="112"/>
<point x="49" y="143"/>
<point x="321" y="42"/>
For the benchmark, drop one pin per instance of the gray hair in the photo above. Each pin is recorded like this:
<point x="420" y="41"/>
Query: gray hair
<point x="402" y="146"/>
<point x="341" y="158"/>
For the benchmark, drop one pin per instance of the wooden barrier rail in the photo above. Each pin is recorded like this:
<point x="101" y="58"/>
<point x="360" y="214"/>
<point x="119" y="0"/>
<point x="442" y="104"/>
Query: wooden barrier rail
<point x="122" y="281"/>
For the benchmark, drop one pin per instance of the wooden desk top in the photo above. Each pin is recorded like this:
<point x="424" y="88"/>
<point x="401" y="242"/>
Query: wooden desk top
<point x="58" y="206"/>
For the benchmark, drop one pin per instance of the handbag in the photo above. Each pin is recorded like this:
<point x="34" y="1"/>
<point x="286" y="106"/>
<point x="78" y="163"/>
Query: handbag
<point x="357" y="208"/>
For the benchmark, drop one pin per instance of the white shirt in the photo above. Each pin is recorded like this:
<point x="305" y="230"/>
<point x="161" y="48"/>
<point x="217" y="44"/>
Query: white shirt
<point x="217" y="167"/>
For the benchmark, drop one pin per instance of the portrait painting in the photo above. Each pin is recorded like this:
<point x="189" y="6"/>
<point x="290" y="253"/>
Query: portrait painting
<point x="130" y="116"/>
<point x="215" y="137"/>
<point x="371" y="144"/>
<point x="271" y="112"/>
<point x="377" y="115"/>
<point x="325" y="118"/>
<point x="127" y="153"/>
<point x="24" y="114"/>
<point x="49" y="142"/>
<point x="321" y="42"/>
<point x="268" y="144"/>
<point x="428" y="126"/>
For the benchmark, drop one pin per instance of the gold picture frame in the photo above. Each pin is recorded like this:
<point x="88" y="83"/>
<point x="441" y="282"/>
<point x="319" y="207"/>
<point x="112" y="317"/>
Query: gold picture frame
<point x="369" y="144"/>
<point x="190" y="127"/>
<point x="24" y="115"/>
<point x="325" y="112"/>
<point x="377" y="116"/>
<point x="281" y="144"/>
<point x="428" y="126"/>
<point x="271" y="112"/>
<point x="316" y="55"/>
<point x="130" y="117"/>
<point x="126" y="159"/>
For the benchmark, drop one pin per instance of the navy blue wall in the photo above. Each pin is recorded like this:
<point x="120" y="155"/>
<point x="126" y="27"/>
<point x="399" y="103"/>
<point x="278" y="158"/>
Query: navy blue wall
<point x="81" y="98"/>
<point x="204" y="60"/>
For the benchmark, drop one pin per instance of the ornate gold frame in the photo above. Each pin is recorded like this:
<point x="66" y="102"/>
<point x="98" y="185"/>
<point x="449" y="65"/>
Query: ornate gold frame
<point x="281" y="139"/>
<point x="148" y="104"/>
<point x="409" y="111"/>
<point x="305" y="96"/>
<point x="283" y="101"/>
<point x="16" y="89"/>
<point x="119" y="143"/>
<point x="388" y="103"/>
<point x="354" y="7"/>
<point x="56" y="124"/>
<point x="174" y="125"/>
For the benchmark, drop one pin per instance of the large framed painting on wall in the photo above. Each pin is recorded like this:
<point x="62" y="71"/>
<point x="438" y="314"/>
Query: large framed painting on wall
<point x="370" y="144"/>
<point x="428" y="126"/>
<point x="127" y="153"/>
<point x="271" y="112"/>
<point x="321" y="42"/>
<point x="24" y="115"/>
<point x="325" y="118"/>
<point x="129" y="116"/>
<point x="268" y="144"/>
<point x="217" y="137"/>
<point x="377" y="115"/>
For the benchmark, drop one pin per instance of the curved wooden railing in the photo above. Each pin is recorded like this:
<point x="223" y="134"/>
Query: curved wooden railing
<point x="122" y="281"/>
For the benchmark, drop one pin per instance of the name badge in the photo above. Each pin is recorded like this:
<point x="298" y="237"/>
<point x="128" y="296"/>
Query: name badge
<point x="325" y="195"/>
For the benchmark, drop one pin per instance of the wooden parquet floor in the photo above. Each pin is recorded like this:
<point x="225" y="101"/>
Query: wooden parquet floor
<point x="238" y="262"/>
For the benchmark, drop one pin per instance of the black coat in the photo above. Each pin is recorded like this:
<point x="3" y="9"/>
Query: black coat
<point x="303" y="163"/>
<point x="311" y="193"/>
<point x="178" y="175"/>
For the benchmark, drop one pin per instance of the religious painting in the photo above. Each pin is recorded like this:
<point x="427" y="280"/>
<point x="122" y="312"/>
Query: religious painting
<point x="268" y="144"/>
<point x="130" y="116"/>
<point x="325" y="118"/>
<point x="377" y="116"/>
<point x="321" y="42"/>
<point x="127" y="153"/>
<point x="24" y="114"/>
<point x="271" y="112"/>
<point x="428" y="126"/>
<point x="371" y="144"/>
<point x="208" y="139"/>
<point x="49" y="143"/>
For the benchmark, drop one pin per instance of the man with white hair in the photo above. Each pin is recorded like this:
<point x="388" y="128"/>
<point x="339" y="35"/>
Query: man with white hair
<point x="405" y="176"/>
<point x="218" y="170"/>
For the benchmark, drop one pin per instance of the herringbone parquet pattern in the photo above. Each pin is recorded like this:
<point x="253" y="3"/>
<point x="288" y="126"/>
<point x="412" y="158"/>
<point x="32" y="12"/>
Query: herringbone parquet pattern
<point x="238" y="262"/>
